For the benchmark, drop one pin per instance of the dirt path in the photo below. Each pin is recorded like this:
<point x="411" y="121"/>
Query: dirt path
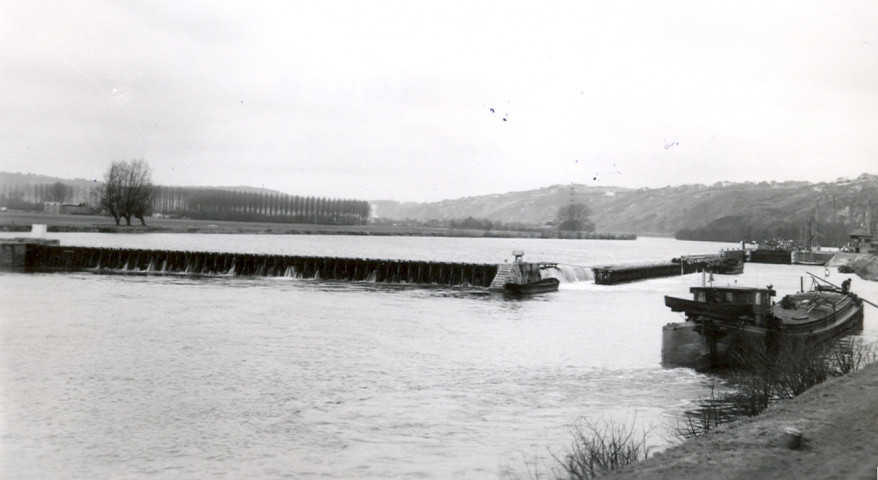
<point x="839" y="423"/>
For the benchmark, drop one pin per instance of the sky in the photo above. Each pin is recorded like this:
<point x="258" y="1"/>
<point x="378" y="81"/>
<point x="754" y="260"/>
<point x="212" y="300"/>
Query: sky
<point x="430" y="100"/>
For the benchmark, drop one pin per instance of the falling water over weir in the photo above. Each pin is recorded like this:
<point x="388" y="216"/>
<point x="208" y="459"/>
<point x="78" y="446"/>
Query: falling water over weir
<point x="52" y="257"/>
<point x="56" y="258"/>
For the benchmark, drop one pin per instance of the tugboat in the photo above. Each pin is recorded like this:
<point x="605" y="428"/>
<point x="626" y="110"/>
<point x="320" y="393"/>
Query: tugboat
<point x="522" y="278"/>
<point x="723" y="320"/>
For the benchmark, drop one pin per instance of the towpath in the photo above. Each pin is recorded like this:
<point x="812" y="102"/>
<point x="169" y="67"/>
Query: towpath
<point x="839" y="423"/>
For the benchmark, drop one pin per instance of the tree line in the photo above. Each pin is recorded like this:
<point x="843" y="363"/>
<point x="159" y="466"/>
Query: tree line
<point x="32" y="196"/>
<point x="218" y="204"/>
<point x="127" y="192"/>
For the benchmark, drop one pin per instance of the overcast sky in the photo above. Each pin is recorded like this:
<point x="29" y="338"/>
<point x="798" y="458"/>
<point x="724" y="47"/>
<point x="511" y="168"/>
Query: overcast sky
<point x="427" y="100"/>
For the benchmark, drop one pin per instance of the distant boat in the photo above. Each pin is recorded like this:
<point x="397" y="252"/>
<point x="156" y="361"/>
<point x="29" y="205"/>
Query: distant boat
<point x="524" y="278"/>
<point x="721" y="321"/>
<point x="728" y="266"/>
<point x="811" y="254"/>
<point x="812" y="257"/>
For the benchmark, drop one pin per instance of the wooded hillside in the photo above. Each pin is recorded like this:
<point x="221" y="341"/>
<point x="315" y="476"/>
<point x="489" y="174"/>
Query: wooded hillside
<point x="723" y="211"/>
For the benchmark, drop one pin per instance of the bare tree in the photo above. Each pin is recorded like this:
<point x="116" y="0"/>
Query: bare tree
<point x="110" y="192"/>
<point x="127" y="191"/>
<point x="139" y="191"/>
<point x="574" y="217"/>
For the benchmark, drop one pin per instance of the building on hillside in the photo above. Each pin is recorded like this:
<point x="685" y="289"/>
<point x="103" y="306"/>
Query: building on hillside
<point x="76" y="209"/>
<point x="52" y="208"/>
<point x="861" y="241"/>
<point x="58" y="208"/>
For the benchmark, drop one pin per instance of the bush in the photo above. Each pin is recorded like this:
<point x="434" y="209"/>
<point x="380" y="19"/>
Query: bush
<point x="761" y="377"/>
<point x="599" y="447"/>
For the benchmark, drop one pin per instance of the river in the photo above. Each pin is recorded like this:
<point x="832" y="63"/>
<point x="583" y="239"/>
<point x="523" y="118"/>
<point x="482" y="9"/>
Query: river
<point x="136" y="376"/>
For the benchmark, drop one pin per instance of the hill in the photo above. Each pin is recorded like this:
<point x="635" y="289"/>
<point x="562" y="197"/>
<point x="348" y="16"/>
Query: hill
<point x="741" y="209"/>
<point x="723" y="212"/>
<point x="532" y="207"/>
<point x="22" y="179"/>
<point x="8" y="178"/>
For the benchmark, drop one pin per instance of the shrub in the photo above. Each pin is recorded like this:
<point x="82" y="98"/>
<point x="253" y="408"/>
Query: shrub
<point x="601" y="446"/>
<point x="762" y="376"/>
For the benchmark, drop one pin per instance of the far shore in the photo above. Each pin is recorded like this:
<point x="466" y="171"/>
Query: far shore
<point x="22" y="222"/>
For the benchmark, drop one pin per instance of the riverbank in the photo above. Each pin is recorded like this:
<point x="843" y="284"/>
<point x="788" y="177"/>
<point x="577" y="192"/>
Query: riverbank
<point x="838" y="420"/>
<point x="866" y="267"/>
<point x="22" y="221"/>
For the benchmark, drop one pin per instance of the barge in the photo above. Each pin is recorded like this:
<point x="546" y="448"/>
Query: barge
<point x="723" y="322"/>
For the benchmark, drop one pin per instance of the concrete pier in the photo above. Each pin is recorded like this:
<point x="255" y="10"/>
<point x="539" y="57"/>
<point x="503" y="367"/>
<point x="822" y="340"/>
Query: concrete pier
<point x="13" y="252"/>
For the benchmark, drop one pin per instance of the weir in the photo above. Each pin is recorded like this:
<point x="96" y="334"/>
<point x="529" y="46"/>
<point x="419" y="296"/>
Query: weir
<point x="48" y="258"/>
<point x="613" y="274"/>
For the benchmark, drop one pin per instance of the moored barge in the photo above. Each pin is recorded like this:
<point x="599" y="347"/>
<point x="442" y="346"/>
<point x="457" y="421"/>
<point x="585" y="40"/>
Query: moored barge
<point x="724" y="321"/>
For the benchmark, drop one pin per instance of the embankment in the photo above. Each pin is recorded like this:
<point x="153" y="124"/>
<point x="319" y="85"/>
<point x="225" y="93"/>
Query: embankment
<point x="22" y="221"/>
<point x="866" y="267"/>
<point x="838" y="420"/>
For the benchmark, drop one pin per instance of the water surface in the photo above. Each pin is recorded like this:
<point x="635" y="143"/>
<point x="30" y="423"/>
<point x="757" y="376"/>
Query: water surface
<point x="119" y="376"/>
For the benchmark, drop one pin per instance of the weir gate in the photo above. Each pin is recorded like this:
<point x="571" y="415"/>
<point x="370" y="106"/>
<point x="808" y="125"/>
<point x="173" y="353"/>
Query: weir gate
<point x="59" y="258"/>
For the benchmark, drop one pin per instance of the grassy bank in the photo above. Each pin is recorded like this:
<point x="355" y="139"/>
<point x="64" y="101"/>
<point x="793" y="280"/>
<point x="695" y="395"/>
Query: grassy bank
<point x="763" y="378"/>
<point x="837" y="420"/>
<point x="800" y="412"/>
<point x="22" y="221"/>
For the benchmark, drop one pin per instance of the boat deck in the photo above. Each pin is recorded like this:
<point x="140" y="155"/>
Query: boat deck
<point x="811" y="307"/>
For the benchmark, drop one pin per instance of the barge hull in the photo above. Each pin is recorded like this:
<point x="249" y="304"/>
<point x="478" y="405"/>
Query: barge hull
<point x="685" y="344"/>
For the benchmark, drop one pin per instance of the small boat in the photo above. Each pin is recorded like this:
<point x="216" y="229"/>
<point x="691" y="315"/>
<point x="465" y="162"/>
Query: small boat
<point x="728" y="266"/>
<point x="812" y="257"/>
<point x="542" y="286"/>
<point x="812" y="254"/>
<point x="520" y="277"/>
<point x="724" y="321"/>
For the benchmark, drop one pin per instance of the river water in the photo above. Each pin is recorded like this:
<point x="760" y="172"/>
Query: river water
<point x="126" y="376"/>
